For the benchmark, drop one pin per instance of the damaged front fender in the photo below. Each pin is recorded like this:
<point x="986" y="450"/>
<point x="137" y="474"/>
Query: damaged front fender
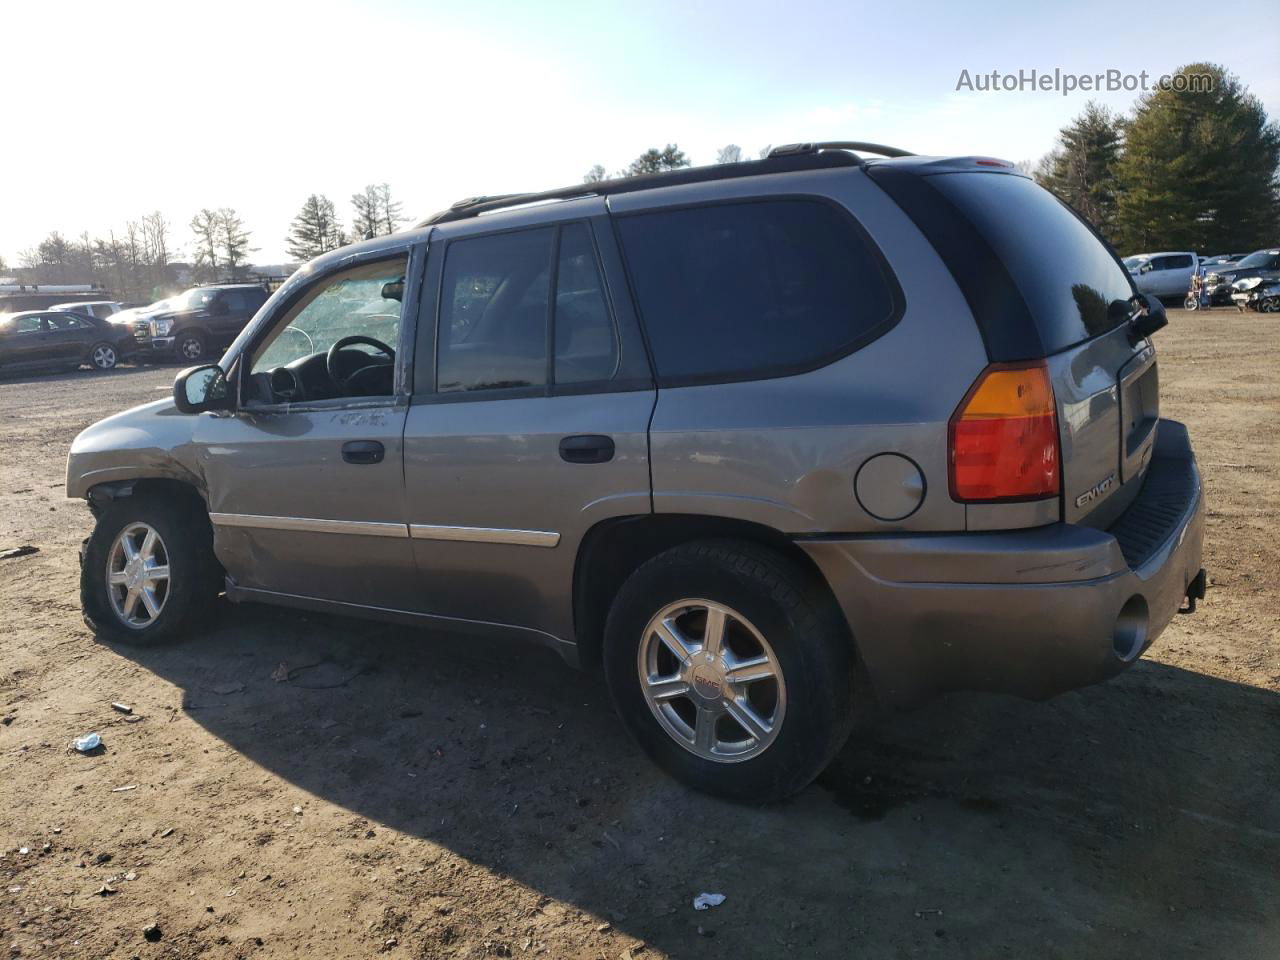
<point x="153" y="441"/>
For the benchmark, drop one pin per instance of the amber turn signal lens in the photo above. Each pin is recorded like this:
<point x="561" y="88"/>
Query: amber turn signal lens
<point x="1004" y="437"/>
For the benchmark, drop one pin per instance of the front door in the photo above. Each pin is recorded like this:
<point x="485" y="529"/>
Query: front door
<point x="534" y="429"/>
<point x="69" y="337"/>
<point x="305" y="480"/>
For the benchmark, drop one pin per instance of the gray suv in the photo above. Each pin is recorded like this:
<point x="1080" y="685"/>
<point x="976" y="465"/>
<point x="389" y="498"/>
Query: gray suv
<point x="767" y="442"/>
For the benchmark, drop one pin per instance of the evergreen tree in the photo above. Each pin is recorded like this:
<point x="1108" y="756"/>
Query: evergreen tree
<point x="1081" y="170"/>
<point x="388" y="210"/>
<point x="653" y="160"/>
<point x="1199" y="169"/>
<point x="368" y="219"/>
<point x="233" y="240"/>
<point x="315" y="229"/>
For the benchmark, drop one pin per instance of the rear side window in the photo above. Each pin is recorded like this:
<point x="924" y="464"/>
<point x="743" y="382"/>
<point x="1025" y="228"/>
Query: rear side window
<point x="1073" y="285"/>
<point x="493" y="312"/>
<point x="756" y="288"/>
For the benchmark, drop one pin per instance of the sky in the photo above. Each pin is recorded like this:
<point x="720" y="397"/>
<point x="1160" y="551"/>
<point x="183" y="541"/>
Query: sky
<point x="113" y="110"/>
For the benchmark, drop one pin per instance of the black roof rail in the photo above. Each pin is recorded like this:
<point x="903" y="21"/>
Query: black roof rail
<point x="825" y="156"/>
<point x="794" y="149"/>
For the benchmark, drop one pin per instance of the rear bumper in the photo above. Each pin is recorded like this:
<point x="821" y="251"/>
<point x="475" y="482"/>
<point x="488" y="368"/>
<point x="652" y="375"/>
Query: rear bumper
<point x="1028" y="612"/>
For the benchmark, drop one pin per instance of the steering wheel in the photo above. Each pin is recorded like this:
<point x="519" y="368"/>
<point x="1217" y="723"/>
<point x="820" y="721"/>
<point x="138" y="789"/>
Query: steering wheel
<point x="331" y="358"/>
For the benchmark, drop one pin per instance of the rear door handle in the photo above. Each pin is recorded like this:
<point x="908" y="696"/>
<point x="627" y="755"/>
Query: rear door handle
<point x="586" y="448"/>
<point x="363" y="451"/>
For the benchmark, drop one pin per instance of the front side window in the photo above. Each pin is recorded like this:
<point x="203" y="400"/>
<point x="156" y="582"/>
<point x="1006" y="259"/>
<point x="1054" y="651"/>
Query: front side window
<point x="358" y="310"/>
<point x="754" y="288"/>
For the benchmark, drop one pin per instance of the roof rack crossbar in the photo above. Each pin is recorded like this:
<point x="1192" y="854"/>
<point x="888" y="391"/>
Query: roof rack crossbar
<point x="794" y="149"/>
<point x="814" y="159"/>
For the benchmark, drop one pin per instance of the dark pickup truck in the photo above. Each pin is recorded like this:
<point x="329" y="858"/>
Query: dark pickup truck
<point x="197" y="322"/>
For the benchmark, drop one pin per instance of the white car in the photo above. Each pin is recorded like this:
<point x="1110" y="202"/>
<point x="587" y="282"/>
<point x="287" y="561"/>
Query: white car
<point x="1166" y="274"/>
<point x="102" y="309"/>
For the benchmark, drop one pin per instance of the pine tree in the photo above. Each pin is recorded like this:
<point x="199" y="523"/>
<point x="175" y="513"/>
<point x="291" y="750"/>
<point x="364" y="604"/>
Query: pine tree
<point x="315" y="229"/>
<point x="388" y="210"/>
<point x="367" y="222"/>
<point x="1198" y="170"/>
<point x="233" y="239"/>
<point x="654" y="160"/>
<point x="1081" y="170"/>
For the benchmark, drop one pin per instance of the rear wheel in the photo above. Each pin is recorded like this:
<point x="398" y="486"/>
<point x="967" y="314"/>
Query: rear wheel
<point x="190" y="347"/>
<point x="148" y="573"/>
<point x="732" y="669"/>
<point x="103" y="356"/>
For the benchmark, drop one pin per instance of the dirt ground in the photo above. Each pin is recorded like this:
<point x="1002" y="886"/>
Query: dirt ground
<point x="422" y="796"/>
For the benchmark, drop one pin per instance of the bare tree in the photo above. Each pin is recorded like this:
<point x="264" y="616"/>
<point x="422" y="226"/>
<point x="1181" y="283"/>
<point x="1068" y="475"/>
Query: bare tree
<point x="729" y="154"/>
<point x="764" y="151"/>
<point x="204" y="225"/>
<point x="595" y="174"/>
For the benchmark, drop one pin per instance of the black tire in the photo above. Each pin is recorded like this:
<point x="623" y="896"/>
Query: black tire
<point x="195" y="578"/>
<point x="190" y="347"/>
<point x="103" y="356"/>
<point x="806" y="631"/>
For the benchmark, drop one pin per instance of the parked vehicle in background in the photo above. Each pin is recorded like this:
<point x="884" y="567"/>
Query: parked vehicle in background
<point x="21" y="297"/>
<point x="1262" y="295"/>
<point x="1261" y="264"/>
<point x="102" y="309"/>
<point x="1165" y="275"/>
<point x="196" y="323"/>
<point x="766" y="440"/>
<point x="55" y="338"/>
<point x="1219" y="260"/>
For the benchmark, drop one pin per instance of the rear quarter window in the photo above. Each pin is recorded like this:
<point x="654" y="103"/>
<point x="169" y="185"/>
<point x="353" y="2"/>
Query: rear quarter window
<point x="1072" y="283"/>
<point x="750" y="289"/>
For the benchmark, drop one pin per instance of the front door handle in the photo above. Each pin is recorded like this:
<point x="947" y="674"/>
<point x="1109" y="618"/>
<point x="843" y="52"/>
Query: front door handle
<point x="363" y="451"/>
<point x="586" y="448"/>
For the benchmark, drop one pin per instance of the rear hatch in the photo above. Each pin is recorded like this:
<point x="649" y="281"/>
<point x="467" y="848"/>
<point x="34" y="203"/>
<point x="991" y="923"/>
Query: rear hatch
<point x="1043" y="285"/>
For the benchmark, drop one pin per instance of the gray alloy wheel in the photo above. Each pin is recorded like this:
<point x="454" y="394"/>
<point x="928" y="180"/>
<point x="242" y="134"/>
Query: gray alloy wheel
<point x="103" y="356"/>
<point x="712" y="680"/>
<point x="191" y="347"/>
<point x="138" y="576"/>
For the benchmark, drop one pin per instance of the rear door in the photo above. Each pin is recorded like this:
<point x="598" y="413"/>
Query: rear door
<point x="1070" y="303"/>
<point x="529" y="419"/>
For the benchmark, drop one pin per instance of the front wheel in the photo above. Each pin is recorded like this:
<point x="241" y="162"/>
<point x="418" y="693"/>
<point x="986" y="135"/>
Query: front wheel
<point x="1191" y="303"/>
<point x="190" y="347"/>
<point x="147" y="574"/>
<point x="731" y="668"/>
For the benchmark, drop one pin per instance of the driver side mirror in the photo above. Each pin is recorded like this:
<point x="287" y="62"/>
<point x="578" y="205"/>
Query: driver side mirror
<point x="198" y="389"/>
<point x="1146" y="267"/>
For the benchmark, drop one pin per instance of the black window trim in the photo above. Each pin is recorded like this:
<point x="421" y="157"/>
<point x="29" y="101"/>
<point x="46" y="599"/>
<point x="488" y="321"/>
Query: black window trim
<point x="413" y="253"/>
<point x="430" y="392"/>
<point x="896" y="295"/>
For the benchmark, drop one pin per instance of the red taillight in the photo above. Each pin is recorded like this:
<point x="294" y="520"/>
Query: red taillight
<point x="1004" y="437"/>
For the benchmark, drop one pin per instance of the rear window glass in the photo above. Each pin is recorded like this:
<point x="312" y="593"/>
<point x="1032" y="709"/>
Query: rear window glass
<point x="758" y="288"/>
<point x="1072" y="284"/>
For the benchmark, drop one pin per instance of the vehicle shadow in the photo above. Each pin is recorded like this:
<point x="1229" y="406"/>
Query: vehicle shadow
<point x="125" y="369"/>
<point x="1139" y="816"/>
